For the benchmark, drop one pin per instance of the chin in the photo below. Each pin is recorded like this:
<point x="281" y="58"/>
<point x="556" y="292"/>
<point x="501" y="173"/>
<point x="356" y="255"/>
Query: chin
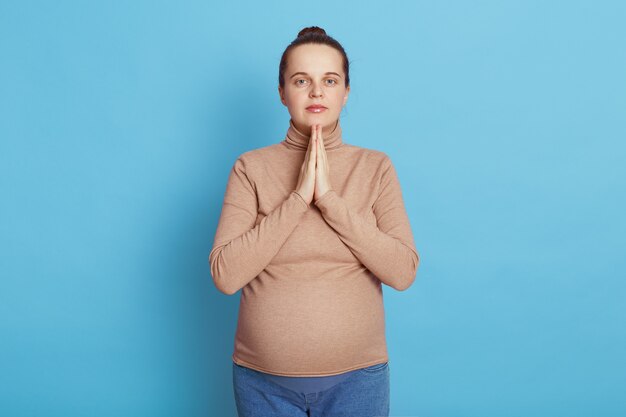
<point x="323" y="118"/>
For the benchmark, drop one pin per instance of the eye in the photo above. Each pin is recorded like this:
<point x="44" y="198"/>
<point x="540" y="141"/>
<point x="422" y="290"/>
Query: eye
<point x="334" y="82"/>
<point x="298" y="81"/>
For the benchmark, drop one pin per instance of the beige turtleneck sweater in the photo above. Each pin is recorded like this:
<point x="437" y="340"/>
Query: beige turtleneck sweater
<point x="310" y="275"/>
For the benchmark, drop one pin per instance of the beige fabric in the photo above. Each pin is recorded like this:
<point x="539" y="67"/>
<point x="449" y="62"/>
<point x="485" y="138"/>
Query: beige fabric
<point x="310" y="275"/>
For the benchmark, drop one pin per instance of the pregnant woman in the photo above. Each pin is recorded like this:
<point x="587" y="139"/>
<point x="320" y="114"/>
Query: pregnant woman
<point x="310" y="229"/>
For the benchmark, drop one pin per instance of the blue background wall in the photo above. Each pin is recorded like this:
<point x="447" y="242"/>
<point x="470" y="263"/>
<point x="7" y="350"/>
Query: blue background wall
<point x="119" y="122"/>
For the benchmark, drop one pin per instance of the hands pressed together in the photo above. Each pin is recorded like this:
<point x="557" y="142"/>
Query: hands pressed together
<point x="314" y="179"/>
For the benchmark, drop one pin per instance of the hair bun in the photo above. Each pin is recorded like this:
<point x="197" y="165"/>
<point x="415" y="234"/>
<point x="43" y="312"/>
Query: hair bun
<point x="313" y="30"/>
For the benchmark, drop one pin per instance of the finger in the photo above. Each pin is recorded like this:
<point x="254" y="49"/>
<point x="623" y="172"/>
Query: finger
<point x="307" y="155"/>
<point x="326" y="165"/>
<point x="312" y="141"/>
<point x="313" y="145"/>
<point x="308" y="151"/>
<point x="321" y="148"/>
<point x="319" y="135"/>
<point x="319" y="143"/>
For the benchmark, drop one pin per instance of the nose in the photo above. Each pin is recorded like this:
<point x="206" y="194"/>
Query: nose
<point x="316" y="90"/>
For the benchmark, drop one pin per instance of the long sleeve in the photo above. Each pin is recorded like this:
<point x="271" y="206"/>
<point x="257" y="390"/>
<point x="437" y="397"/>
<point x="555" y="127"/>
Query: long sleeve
<point x="386" y="249"/>
<point x="242" y="250"/>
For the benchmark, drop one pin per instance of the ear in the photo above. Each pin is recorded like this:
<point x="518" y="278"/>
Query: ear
<point x="345" y="97"/>
<point x="281" y="94"/>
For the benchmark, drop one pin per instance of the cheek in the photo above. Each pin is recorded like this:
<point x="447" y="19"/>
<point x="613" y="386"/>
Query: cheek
<point x="296" y="97"/>
<point x="298" y="102"/>
<point x="338" y="98"/>
<point x="338" y="102"/>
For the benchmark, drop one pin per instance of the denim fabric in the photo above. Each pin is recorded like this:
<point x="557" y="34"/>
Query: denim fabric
<point x="364" y="393"/>
<point x="310" y="383"/>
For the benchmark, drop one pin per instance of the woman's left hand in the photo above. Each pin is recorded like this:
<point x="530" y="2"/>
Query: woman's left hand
<point x="322" y="171"/>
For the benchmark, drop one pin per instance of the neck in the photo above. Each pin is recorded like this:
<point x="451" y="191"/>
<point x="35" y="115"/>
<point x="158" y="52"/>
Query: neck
<point x="297" y="139"/>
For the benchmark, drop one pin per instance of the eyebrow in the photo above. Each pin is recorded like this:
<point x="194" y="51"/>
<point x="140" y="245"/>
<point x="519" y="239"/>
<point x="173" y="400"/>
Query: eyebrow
<point x="304" y="73"/>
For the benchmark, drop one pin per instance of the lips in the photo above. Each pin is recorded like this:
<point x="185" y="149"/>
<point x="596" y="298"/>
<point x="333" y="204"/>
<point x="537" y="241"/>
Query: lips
<point x="316" y="108"/>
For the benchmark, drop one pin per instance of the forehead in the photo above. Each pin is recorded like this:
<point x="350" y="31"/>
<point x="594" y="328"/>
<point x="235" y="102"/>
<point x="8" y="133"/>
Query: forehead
<point x="315" y="59"/>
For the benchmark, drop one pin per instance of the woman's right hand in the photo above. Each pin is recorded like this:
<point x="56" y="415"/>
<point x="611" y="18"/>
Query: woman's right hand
<point x="306" y="181"/>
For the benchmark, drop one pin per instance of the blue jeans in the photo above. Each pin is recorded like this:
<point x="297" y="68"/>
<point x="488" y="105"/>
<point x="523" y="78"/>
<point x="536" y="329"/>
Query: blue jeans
<point x="365" y="393"/>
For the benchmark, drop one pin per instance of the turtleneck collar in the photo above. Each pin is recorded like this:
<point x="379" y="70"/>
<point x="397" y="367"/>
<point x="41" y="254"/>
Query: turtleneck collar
<point x="298" y="140"/>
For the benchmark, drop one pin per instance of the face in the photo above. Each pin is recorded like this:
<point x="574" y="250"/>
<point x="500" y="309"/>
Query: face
<point x="314" y="75"/>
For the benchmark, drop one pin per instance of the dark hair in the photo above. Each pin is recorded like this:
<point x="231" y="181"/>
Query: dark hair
<point x="317" y="35"/>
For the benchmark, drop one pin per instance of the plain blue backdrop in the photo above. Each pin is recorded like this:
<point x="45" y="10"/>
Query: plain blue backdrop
<point x="120" y="120"/>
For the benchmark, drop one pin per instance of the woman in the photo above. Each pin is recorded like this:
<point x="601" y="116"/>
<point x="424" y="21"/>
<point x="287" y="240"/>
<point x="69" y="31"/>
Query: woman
<point x="310" y="229"/>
